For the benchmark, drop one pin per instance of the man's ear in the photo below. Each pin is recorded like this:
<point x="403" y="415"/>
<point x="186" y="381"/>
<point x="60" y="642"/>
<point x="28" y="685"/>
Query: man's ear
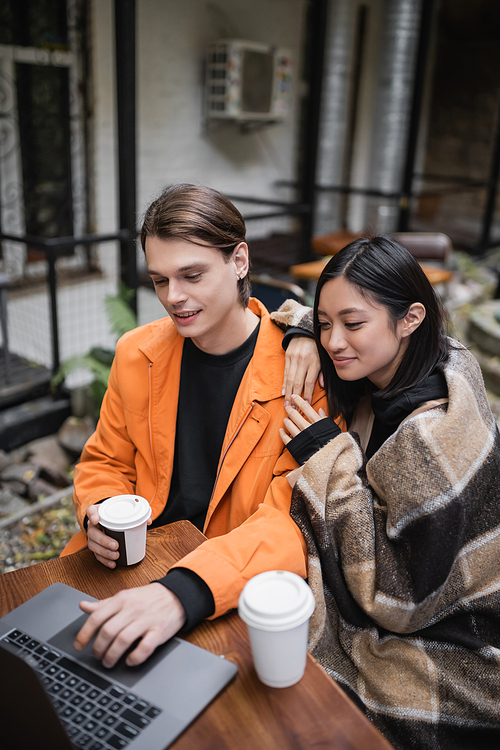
<point x="413" y="318"/>
<point x="240" y="259"/>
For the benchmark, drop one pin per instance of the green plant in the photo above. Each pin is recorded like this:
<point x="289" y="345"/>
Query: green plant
<point x="98" y="361"/>
<point x="120" y="315"/>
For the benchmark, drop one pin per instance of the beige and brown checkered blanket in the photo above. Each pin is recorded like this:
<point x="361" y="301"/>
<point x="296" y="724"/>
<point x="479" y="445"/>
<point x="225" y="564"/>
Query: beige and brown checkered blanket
<point x="404" y="562"/>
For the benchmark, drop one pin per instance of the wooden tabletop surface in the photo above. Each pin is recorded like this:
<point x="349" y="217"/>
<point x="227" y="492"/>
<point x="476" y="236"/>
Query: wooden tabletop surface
<point x="247" y="715"/>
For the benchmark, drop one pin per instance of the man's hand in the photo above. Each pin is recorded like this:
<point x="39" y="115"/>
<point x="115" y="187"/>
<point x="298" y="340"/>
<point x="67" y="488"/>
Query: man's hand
<point x="104" y="547"/>
<point x="302" y="367"/>
<point x="152" y="613"/>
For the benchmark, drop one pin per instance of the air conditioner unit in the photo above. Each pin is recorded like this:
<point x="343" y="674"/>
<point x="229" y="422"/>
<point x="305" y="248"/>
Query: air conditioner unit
<point x="248" y="81"/>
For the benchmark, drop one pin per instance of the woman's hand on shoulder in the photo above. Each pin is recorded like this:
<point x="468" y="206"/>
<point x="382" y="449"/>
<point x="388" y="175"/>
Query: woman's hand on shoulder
<point x="300" y="416"/>
<point x="302" y="368"/>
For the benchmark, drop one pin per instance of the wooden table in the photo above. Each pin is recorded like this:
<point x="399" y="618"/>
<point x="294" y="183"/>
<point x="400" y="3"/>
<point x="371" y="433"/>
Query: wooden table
<point x="312" y="271"/>
<point x="315" y="713"/>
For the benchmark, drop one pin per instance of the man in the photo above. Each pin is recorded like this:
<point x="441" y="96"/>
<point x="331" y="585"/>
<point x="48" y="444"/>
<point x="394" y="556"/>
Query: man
<point x="191" y="421"/>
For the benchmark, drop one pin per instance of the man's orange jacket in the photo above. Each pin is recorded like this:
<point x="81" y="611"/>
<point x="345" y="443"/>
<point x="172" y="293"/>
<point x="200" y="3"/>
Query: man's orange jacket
<point x="248" y="527"/>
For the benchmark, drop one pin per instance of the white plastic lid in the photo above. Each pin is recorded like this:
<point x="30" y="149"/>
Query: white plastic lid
<point x="124" y="512"/>
<point x="276" y="600"/>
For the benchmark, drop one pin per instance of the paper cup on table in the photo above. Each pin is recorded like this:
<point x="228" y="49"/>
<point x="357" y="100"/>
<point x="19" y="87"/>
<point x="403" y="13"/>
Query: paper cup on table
<point x="125" y="518"/>
<point x="276" y="607"/>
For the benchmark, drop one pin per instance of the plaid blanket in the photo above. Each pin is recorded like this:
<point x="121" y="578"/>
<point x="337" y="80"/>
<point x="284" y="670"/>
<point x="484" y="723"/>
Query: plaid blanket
<point x="404" y="562"/>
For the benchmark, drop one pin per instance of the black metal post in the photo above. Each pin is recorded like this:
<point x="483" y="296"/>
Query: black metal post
<point x="51" y="278"/>
<point x="489" y="211"/>
<point x="125" y="12"/>
<point x="4" y="286"/>
<point x="310" y="134"/>
<point x="426" y="19"/>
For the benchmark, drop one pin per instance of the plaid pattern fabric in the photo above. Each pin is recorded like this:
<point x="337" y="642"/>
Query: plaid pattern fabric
<point x="404" y="562"/>
<point x="293" y="315"/>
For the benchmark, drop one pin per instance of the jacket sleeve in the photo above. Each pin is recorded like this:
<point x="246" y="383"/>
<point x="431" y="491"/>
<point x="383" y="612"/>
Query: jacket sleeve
<point x="397" y="542"/>
<point x="107" y="463"/>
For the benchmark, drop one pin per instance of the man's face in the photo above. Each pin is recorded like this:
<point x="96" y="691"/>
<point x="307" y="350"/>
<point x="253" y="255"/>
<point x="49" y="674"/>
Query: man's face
<point x="199" y="290"/>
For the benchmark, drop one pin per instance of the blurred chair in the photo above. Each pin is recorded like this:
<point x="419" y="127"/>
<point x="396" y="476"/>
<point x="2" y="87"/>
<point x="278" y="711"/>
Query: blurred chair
<point x="273" y="292"/>
<point x="330" y="244"/>
<point x="422" y="245"/>
<point x="432" y="246"/>
<point x="429" y="246"/>
<point x="426" y="245"/>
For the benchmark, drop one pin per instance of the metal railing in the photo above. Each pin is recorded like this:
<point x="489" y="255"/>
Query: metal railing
<point x="56" y="247"/>
<point x="53" y="248"/>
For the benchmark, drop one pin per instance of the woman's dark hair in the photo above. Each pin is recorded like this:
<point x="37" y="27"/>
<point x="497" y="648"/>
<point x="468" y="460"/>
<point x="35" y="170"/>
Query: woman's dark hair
<point x="197" y="213"/>
<point x="384" y="271"/>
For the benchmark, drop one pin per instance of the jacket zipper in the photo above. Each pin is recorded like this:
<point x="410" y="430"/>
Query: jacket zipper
<point x="150" y="377"/>
<point x="244" y="419"/>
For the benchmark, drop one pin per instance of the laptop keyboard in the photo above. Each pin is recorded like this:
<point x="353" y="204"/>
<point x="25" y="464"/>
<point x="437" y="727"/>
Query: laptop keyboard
<point x="97" y="714"/>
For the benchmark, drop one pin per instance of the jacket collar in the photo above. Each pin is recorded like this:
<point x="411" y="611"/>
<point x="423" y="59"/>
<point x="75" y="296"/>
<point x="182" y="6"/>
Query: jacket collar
<point x="160" y="339"/>
<point x="266" y="366"/>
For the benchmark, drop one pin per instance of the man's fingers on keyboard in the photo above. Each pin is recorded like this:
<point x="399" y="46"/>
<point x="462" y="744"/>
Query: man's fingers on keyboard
<point x="99" y="613"/>
<point x="122" y="633"/>
<point x="85" y="633"/>
<point x="116" y="647"/>
<point x="144" y="649"/>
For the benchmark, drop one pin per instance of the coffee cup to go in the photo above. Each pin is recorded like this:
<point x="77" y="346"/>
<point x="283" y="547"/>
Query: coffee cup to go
<point x="276" y="607"/>
<point x="125" y="518"/>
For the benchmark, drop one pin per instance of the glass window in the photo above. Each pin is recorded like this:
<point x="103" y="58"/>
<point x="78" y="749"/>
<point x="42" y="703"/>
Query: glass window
<point x="34" y="23"/>
<point x="43" y="111"/>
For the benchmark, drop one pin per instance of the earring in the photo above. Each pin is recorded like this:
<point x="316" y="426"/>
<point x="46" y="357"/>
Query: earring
<point x="239" y="278"/>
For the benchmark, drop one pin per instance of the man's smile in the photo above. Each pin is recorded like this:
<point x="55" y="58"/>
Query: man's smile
<point x="188" y="314"/>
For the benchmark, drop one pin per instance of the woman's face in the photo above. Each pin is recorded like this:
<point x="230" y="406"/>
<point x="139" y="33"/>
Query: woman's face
<point x="358" y="335"/>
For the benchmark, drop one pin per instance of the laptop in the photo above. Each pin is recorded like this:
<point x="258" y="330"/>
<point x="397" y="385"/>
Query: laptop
<point x="53" y="697"/>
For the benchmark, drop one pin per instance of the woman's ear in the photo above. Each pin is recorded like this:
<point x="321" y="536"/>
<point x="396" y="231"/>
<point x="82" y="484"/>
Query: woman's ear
<point x="413" y="318"/>
<point x="240" y="259"/>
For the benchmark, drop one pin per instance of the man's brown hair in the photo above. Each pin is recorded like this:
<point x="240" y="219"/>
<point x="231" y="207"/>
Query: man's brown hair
<point x="200" y="215"/>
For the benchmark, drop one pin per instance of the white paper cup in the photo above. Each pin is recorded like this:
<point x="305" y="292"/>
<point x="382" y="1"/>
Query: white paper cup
<point x="125" y="518"/>
<point x="276" y="607"/>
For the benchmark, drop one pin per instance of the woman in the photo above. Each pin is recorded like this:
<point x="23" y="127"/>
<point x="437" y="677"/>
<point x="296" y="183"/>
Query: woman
<point x="401" y="514"/>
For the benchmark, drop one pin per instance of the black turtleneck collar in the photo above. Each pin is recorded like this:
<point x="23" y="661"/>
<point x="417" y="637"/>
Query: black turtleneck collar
<point x="390" y="412"/>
